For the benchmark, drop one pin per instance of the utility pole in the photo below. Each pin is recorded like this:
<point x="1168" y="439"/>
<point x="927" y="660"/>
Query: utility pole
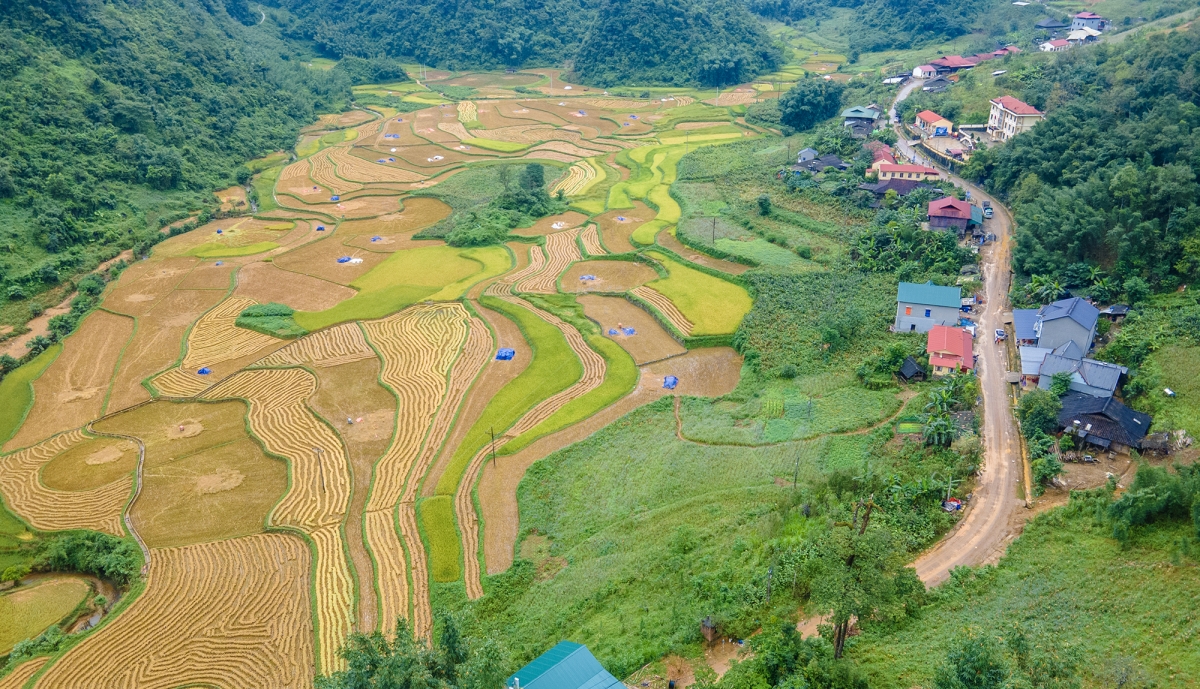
<point x="796" y="474"/>
<point x="493" y="432"/>
<point x="714" y="231"/>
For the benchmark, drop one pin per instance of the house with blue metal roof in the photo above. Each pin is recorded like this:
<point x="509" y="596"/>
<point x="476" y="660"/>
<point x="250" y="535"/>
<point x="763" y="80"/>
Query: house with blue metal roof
<point x="566" y="666"/>
<point x="919" y="307"/>
<point x="1067" y="320"/>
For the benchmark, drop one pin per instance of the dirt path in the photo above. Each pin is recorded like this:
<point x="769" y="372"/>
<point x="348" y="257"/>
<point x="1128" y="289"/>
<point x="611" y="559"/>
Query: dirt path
<point x="988" y="525"/>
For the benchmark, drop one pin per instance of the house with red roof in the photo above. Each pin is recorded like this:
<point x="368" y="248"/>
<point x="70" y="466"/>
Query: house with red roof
<point x="1010" y="117"/>
<point x="950" y="213"/>
<point x="949" y="350"/>
<point x="929" y="122"/>
<point x="1058" y="45"/>
<point x="1089" y="20"/>
<point x="918" y="172"/>
<point x="952" y="63"/>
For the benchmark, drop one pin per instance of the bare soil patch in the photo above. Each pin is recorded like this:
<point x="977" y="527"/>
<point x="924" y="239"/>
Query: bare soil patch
<point x="707" y="372"/>
<point x="551" y="224"/>
<point x="610" y="276"/>
<point x="667" y="240"/>
<point x="650" y="341"/>
<point x="233" y="198"/>
<point x="417" y="213"/>
<point x="145" y="282"/>
<point x="208" y="275"/>
<point x="319" y="260"/>
<point x="617" y="226"/>
<point x="266" y="282"/>
<point x="219" y="482"/>
<point x="157" y="343"/>
<point x="72" y="390"/>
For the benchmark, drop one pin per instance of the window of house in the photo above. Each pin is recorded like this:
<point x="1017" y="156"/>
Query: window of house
<point x="912" y="327"/>
<point x="928" y="313"/>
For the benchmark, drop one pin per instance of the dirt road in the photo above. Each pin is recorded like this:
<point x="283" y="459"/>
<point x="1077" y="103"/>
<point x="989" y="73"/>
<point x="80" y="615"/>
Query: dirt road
<point x="987" y="527"/>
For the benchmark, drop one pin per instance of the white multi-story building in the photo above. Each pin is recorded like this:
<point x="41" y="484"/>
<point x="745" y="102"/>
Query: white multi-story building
<point x="1010" y="117"/>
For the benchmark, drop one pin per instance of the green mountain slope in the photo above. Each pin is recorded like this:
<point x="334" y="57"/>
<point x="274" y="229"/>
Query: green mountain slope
<point x="114" y="114"/>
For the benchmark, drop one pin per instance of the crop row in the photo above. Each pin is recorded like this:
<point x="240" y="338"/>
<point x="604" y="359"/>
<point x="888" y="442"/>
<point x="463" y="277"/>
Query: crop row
<point x="563" y="251"/>
<point x="337" y="345"/>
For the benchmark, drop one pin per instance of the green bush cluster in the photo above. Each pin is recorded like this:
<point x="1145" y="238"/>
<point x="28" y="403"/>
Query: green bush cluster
<point x="522" y="200"/>
<point x="271" y="319"/>
<point x="115" y="559"/>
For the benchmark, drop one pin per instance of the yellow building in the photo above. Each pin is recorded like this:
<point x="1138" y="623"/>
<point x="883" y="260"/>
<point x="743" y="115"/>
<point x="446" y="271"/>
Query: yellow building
<point x="1010" y="117"/>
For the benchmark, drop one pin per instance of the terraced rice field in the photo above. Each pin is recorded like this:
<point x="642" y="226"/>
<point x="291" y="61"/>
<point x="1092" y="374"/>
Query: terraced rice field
<point x="255" y="577"/>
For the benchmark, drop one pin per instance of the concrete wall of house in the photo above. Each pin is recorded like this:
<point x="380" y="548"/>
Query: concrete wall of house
<point x="1062" y="330"/>
<point x="916" y="320"/>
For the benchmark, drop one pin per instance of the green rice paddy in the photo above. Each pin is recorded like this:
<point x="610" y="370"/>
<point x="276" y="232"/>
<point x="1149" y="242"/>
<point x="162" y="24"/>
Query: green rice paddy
<point x="714" y="306"/>
<point x="221" y="250"/>
<point x="554" y="368"/>
<point x="494" y="145"/>
<point x="436" y="515"/>
<point x="436" y="273"/>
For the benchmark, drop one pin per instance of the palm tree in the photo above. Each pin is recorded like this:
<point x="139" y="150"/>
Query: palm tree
<point x="939" y="430"/>
<point x="940" y="401"/>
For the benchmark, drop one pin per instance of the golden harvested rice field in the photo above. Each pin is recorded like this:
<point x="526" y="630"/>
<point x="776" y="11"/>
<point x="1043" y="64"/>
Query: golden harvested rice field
<point x="274" y="482"/>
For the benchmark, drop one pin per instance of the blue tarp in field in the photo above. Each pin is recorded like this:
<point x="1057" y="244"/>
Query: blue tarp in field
<point x="344" y="259"/>
<point x="670" y="382"/>
<point x="587" y="277"/>
<point x="204" y="371"/>
<point x="505" y="354"/>
<point x="335" y="198"/>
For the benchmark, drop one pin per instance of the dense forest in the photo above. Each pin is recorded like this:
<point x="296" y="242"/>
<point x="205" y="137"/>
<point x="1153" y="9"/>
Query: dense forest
<point x="714" y="43"/>
<point x="893" y="24"/>
<point x="116" y="114"/>
<point x="709" y="42"/>
<point x="1105" y="188"/>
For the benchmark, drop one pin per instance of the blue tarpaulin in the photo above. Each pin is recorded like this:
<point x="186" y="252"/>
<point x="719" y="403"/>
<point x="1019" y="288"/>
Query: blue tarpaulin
<point x="376" y="238"/>
<point x="670" y="382"/>
<point x="505" y="354"/>
<point x="620" y="218"/>
<point x="628" y="331"/>
<point x="335" y="198"/>
<point x="633" y="117"/>
<point x="344" y="259"/>
<point x="587" y="277"/>
<point x="220" y="232"/>
<point x="219" y="263"/>
<point x="612" y="331"/>
<point x="320" y="228"/>
<point x="204" y="371"/>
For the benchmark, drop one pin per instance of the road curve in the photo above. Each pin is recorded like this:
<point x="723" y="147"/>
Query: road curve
<point x="984" y="531"/>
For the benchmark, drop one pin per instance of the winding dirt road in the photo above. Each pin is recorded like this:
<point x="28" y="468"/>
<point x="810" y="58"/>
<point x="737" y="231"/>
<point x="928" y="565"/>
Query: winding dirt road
<point x="988" y="525"/>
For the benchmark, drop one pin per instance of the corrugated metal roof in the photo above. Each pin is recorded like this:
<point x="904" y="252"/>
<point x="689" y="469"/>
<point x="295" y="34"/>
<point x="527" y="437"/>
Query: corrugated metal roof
<point x="1099" y="375"/>
<point x="929" y="294"/>
<point x="1023" y="320"/>
<point x="566" y="666"/>
<point x="1074" y="308"/>
<point x="1031" y="359"/>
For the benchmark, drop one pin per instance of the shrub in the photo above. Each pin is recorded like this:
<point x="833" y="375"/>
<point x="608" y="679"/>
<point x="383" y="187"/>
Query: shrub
<point x="788" y="371"/>
<point x="101" y="555"/>
<point x="271" y="319"/>
<point x="1038" y="412"/>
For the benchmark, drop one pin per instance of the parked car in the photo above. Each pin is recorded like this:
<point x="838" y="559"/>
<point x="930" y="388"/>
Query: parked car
<point x="987" y="212"/>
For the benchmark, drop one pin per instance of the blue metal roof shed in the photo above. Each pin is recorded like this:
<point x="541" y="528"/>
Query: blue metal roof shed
<point x="929" y="294"/>
<point x="566" y="666"/>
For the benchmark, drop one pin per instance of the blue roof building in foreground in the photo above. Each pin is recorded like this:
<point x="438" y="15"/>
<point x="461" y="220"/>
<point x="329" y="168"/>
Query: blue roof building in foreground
<point x="929" y="293"/>
<point x="566" y="666"/>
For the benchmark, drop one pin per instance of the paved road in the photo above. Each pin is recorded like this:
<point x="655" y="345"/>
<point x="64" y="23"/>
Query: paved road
<point x="985" y="529"/>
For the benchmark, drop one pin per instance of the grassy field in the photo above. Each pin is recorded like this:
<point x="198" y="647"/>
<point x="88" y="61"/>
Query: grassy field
<point x="1064" y="581"/>
<point x="437" y="523"/>
<point x="439" y="273"/>
<point x="16" y="391"/>
<point x="494" y="145"/>
<point x="713" y="305"/>
<point x="554" y="368"/>
<point x="1176" y="366"/>
<point x="27" y="611"/>
<point x="264" y="185"/>
<point x="620" y="377"/>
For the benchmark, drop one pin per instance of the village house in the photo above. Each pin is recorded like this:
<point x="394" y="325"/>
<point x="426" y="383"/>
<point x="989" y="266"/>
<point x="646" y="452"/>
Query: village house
<point x="952" y="214"/>
<point x="1058" y="45"/>
<point x="566" y="666"/>
<point x="1051" y="25"/>
<point x="860" y="120"/>
<point x="1010" y="117"/>
<point x="925" y="72"/>
<point x="952" y="63"/>
<point x="936" y="85"/>
<point x="933" y="124"/>
<point x="1083" y="36"/>
<point x="949" y="350"/>
<point x="1089" y="20"/>
<point x="888" y="171"/>
<point x="919" y="307"/>
<point x="807" y="154"/>
<point x="1067" y="320"/>
<point x="882" y="156"/>
<point x="1103" y="421"/>
<point x="1088" y="376"/>
<point x="902" y="187"/>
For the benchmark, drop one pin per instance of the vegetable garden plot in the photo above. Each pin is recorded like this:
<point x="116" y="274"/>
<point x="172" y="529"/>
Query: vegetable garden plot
<point x="228" y="614"/>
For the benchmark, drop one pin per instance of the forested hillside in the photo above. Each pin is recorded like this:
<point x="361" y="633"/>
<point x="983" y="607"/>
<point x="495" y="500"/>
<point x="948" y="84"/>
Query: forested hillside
<point x="705" y="42"/>
<point x="716" y="42"/>
<point x="114" y="114"/>
<point x="1109" y="179"/>
<point x="890" y="24"/>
